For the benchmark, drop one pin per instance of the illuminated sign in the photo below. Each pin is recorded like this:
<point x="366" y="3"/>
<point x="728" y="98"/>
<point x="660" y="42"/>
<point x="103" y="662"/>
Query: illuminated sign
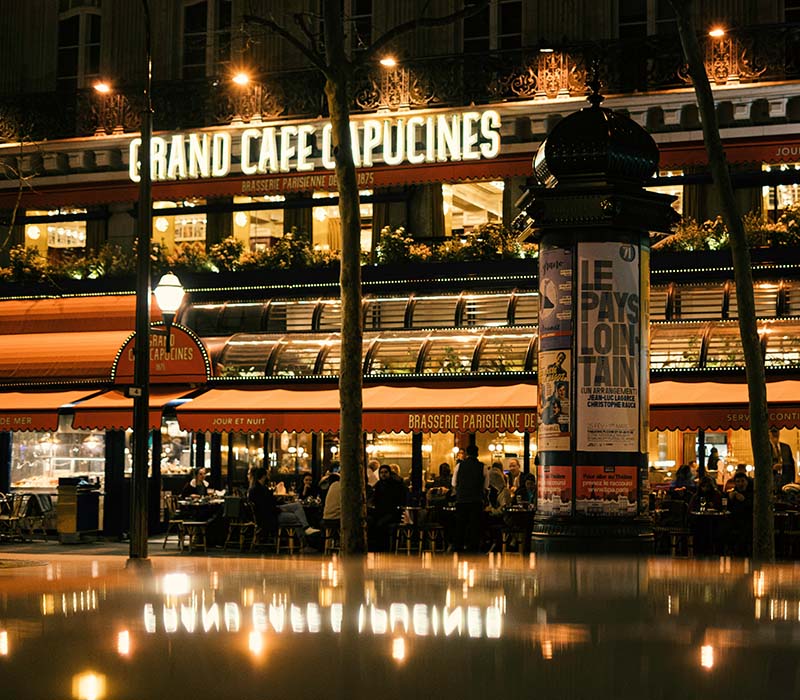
<point x="303" y="148"/>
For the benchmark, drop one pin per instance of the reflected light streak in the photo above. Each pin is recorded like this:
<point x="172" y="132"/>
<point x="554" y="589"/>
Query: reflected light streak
<point x="399" y="649"/>
<point x="175" y="584"/>
<point x="255" y="642"/>
<point x="398" y="612"/>
<point x="260" y="617"/>
<point x="3" y="643"/>
<point x="707" y="656"/>
<point x="124" y="643"/>
<point x="88" y="686"/>
<point x="233" y="620"/>
<point x="170" y="620"/>
<point x="547" y="650"/>
<point x="210" y="617"/>
<point x="336" y="617"/>
<point x="149" y="619"/>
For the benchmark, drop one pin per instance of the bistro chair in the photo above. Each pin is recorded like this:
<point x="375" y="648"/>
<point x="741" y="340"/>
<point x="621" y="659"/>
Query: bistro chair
<point x="241" y="521"/>
<point x="331" y="535"/>
<point x="430" y="531"/>
<point x="33" y="516"/>
<point x="174" y="521"/>
<point x="517" y="530"/>
<point x="11" y="517"/>
<point x="195" y="531"/>
<point x="287" y="538"/>
<point x="671" y="529"/>
<point x="403" y="533"/>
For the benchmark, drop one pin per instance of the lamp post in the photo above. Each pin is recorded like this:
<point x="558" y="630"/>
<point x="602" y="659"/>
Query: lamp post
<point x="169" y="295"/>
<point x="140" y="391"/>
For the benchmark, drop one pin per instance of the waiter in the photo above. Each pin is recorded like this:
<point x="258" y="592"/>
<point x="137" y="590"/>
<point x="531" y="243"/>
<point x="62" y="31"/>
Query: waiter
<point x="782" y="458"/>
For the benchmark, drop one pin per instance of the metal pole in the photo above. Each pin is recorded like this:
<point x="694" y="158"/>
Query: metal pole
<point x="141" y="359"/>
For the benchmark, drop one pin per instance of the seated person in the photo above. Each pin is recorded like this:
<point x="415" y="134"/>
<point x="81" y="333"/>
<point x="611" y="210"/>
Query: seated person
<point x="683" y="485"/>
<point x="269" y="515"/>
<point x="499" y="493"/>
<point x="440" y="490"/>
<point x="526" y="493"/>
<point x="740" y="506"/>
<point x="332" y="512"/>
<point x="307" y="488"/>
<point x="707" y="497"/>
<point x="388" y="499"/>
<point x="326" y="480"/>
<point x="197" y="486"/>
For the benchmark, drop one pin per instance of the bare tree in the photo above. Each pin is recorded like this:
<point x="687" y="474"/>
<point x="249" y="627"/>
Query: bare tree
<point x="339" y="68"/>
<point x="763" y="527"/>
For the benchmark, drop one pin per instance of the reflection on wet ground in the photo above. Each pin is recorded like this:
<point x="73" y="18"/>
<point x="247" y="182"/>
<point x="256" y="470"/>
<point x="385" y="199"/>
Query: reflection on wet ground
<point x="386" y="627"/>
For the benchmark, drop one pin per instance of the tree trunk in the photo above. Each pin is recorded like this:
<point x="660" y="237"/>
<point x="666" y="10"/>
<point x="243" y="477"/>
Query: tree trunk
<point x="763" y="523"/>
<point x="353" y="536"/>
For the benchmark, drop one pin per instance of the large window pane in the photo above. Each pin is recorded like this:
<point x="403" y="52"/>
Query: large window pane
<point x="675" y="348"/>
<point x="725" y="346"/>
<point x="504" y="353"/>
<point x="396" y="354"/>
<point x="450" y="354"/>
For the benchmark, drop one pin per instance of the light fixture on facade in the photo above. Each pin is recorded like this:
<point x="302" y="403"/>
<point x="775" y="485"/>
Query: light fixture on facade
<point x="102" y="87"/>
<point x="169" y="295"/>
<point x="240" y="219"/>
<point x="162" y="224"/>
<point x="388" y="62"/>
<point x="241" y="78"/>
<point x="717" y="32"/>
<point x="546" y="49"/>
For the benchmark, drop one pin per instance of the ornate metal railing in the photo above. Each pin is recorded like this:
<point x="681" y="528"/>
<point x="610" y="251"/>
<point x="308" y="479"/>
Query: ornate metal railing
<point x="756" y="54"/>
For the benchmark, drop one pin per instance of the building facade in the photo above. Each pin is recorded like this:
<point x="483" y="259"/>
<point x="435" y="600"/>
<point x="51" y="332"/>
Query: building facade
<point x="444" y="140"/>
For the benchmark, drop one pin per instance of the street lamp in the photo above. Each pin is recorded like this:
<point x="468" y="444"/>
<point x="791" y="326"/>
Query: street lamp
<point x="169" y="295"/>
<point x="140" y="391"/>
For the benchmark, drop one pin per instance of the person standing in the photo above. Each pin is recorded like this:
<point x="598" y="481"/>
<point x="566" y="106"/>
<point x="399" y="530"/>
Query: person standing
<point x="470" y="482"/>
<point x="782" y="458"/>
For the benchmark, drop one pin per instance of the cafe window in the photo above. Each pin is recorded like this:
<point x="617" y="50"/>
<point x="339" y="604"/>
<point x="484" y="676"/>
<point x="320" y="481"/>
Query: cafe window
<point x="449" y="354"/>
<point x="485" y="310"/>
<point x="775" y="199"/>
<point x="497" y="26"/>
<point x="186" y="226"/>
<point x="39" y="459"/>
<point x="289" y="455"/>
<point x="467" y="206"/>
<point x="765" y="295"/>
<point x="639" y="18"/>
<point x="78" y="57"/>
<point x="260" y="227"/>
<point x="246" y="355"/>
<point x="434" y="312"/>
<point x="676" y="348"/>
<point x="505" y="352"/>
<point x="206" y="37"/>
<point x="58" y="234"/>
<point x="296" y="357"/>
<point x="327" y="226"/>
<point x="699" y="302"/>
<point x="658" y="303"/>
<point x="526" y="308"/>
<point x="782" y="344"/>
<point x="395" y="354"/>
<point x="391" y="448"/>
<point x="725" y="346"/>
<point x="675" y="190"/>
<point x="291" y="316"/>
<point x="385" y="313"/>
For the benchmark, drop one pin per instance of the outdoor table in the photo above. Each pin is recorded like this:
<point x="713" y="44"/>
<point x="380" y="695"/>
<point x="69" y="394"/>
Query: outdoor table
<point x="709" y="530"/>
<point x="208" y="510"/>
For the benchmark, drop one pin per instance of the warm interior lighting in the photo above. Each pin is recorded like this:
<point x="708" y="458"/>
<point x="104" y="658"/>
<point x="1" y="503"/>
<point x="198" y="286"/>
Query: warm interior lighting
<point x="546" y="50"/>
<point x="241" y="219"/>
<point x="102" y="87"/>
<point x="255" y="642"/>
<point x="34" y="232"/>
<point x="161" y="224"/>
<point x="388" y="62"/>
<point x="3" y="643"/>
<point x="717" y="32"/>
<point x="241" y="78"/>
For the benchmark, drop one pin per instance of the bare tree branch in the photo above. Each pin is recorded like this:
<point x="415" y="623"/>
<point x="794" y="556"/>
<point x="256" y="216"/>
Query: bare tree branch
<point x="301" y="20"/>
<point x="419" y="23"/>
<point x="307" y="51"/>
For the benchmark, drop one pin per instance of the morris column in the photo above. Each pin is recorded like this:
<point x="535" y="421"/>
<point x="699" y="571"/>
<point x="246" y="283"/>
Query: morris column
<point x="592" y="219"/>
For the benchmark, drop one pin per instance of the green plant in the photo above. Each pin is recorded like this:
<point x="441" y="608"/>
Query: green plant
<point x="27" y="264"/>
<point x="190" y="257"/>
<point x="226" y="255"/>
<point x="393" y="246"/>
<point x="292" y="250"/>
<point x="690" y="236"/>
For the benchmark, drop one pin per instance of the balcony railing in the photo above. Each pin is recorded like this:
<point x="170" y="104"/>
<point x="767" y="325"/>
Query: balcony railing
<point x="757" y="54"/>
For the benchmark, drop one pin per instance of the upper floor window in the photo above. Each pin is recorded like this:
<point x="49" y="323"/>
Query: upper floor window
<point x="640" y="18"/>
<point x="78" y="43"/>
<point x="791" y="10"/>
<point x="497" y="26"/>
<point x="206" y="37"/>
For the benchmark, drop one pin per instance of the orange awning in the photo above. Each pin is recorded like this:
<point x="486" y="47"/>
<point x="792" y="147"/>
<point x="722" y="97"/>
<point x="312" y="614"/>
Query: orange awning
<point x="719" y="406"/>
<point x="434" y="408"/>
<point x="34" y="410"/>
<point x="112" y="410"/>
<point x="35" y="357"/>
<point x="69" y="314"/>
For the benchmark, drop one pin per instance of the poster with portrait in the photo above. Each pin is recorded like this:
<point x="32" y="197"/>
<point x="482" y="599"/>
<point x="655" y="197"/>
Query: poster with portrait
<point x="554" y="490"/>
<point x="554" y="401"/>
<point x="605" y="491"/>
<point x="555" y="298"/>
<point x="609" y="353"/>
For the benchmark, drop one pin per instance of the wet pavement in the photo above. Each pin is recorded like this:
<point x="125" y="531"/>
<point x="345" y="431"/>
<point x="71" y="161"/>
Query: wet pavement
<point x="76" y="623"/>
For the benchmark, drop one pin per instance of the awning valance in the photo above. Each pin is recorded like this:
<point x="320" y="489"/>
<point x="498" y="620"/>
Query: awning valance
<point x="112" y="410"/>
<point x="37" y="411"/>
<point x="69" y="314"/>
<point x="439" y="408"/>
<point x="719" y="406"/>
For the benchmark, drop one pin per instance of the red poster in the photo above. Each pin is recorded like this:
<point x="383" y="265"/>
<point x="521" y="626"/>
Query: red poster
<point x="555" y="490"/>
<point x="606" y="491"/>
